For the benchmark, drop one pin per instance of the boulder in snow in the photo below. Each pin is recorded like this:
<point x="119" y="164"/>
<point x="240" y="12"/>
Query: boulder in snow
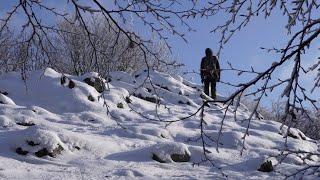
<point x="53" y="153"/>
<point x="71" y="84"/>
<point x="170" y="152"/>
<point x="266" y="166"/>
<point x="120" y="105"/>
<point x="91" y="98"/>
<point x="128" y="100"/>
<point x="181" y="157"/>
<point x="64" y="80"/>
<point x="95" y="82"/>
<point x="20" y="151"/>
<point x="41" y="142"/>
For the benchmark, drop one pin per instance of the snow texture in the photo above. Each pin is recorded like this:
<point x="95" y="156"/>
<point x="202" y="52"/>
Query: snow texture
<point x="102" y="141"/>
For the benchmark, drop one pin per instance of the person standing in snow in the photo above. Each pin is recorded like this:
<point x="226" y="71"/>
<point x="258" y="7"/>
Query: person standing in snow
<point x="210" y="72"/>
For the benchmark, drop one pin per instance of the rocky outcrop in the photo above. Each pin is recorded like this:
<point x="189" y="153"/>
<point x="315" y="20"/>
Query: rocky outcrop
<point x="266" y="167"/>
<point x="95" y="82"/>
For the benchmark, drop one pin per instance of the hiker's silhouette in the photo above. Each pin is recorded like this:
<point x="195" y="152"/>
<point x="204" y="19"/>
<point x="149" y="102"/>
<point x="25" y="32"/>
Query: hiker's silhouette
<point x="210" y="72"/>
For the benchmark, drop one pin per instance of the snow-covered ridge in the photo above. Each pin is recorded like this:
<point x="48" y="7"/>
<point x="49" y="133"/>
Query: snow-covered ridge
<point x="58" y="126"/>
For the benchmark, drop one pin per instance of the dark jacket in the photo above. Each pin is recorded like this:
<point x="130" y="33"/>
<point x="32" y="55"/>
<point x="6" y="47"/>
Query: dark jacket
<point x="210" y="68"/>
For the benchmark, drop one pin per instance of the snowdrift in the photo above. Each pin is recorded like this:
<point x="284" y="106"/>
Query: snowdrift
<point x="58" y="126"/>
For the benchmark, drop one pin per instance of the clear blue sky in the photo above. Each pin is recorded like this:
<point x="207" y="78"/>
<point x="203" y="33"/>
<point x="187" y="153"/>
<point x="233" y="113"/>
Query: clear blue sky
<point x="243" y="50"/>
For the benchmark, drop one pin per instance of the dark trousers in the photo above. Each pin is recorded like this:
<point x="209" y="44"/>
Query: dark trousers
<point x="212" y="84"/>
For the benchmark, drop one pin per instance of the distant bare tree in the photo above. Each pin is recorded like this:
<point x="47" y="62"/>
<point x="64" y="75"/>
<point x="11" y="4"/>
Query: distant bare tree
<point x="5" y="50"/>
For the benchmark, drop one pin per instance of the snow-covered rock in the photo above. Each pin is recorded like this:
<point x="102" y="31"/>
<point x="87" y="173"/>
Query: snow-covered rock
<point x="170" y="152"/>
<point x="40" y="142"/>
<point x="6" y="100"/>
<point x="95" y="82"/>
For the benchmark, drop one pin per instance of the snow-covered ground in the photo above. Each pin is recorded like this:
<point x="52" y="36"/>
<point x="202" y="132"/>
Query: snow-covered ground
<point x="63" y="128"/>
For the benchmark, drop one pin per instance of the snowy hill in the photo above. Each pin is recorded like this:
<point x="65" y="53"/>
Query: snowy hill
<point x="60" y="127"/>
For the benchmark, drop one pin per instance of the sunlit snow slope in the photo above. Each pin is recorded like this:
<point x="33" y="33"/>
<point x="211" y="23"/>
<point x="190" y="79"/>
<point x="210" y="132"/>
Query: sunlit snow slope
<point x="62" y="128"/>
